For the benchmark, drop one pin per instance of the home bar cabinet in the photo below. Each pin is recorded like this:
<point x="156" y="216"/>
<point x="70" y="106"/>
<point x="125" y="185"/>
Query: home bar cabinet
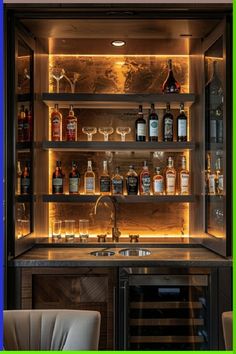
<point x="161" y="275"/>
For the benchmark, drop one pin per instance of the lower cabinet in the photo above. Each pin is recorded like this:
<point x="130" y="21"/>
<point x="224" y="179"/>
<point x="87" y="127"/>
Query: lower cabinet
<point x="72" y="288"/>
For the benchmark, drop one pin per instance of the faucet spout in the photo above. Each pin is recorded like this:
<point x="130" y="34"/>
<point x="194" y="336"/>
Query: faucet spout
<point x="115" y="231"/>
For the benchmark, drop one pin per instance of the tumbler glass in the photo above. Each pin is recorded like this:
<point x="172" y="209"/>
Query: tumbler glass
<point x="83" y="229"/>
<point x="56" y="229"/>
<point x="70" y="229"/>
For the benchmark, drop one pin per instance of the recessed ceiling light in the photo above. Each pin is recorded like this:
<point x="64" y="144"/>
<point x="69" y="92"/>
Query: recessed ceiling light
<point x="118" y="43"/>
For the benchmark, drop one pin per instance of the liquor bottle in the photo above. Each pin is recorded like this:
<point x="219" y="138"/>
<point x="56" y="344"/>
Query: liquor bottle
<point x="117" y="183"/>
<point x="140" y="125"/>
<point x="89" y="180"/>
<point x="170" y="85"/>
<point x="170" y="177"/>
<point x="213" y="126"/>
<point x="182" y="125"/>
<point x="71" y="126"/>
<point x="18" y="178"/>
<point x="57" y="179"/>
<point x="211" y="181"/>
<point x="25" y="179"/>
<point x="158" y="182"/>
<point x="153" y="124"/>
<point x="219" y="123"/>
<point x="168" y="124"/>
<point x="56" y="124"/>
<point x="132" y="181"/>
<point x="20" y="123"/>
<point x="207" y="173"/>
<point x="26" y="126"/>
<point x="28" y="113"/>
<point x="219" y="177"/>
<point x="105" y="180"/>
<point x="183" y="178"/>
<point x="144" y="180"/>
<point x="74" y="179"/>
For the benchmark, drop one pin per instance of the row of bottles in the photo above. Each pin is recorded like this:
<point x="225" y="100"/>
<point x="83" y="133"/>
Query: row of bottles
<point x="23" y="182"/>
<point x="154" y="126"/>
<point x="168" y="182"/>
<point x="24" y="124"/>
<point x="140" y="125"/>
<point x="214" y="177"/>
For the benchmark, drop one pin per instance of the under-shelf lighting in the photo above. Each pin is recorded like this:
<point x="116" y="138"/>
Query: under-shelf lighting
<point x="118" y="43"/>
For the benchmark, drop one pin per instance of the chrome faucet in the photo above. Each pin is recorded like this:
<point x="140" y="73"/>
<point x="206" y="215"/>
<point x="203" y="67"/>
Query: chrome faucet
<point x="115" y="231"/>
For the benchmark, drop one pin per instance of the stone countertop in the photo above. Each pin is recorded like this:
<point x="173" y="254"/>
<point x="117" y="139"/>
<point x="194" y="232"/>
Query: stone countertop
<point x="164" y="256"/>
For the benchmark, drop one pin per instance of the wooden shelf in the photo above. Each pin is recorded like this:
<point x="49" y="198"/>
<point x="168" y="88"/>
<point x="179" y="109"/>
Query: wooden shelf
<point x="121" y="101"/>
<point x="73" y="198"/>
<point x="24" y="97"/>
<point x="24" y="146"/>
<point x="25" y="198"/>
<point x="116" y="146"/>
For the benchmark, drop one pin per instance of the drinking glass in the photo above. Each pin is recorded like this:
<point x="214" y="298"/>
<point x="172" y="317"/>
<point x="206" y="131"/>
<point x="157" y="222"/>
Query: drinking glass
<point x="106" y="131"/>
<point x="57" y="74"/>
<point x="83" y="229"/>
<point x="70" y="229"/>
<point x="56" y="229"/>
<point x="123" y="131"/>
<point x="90" y="131"/>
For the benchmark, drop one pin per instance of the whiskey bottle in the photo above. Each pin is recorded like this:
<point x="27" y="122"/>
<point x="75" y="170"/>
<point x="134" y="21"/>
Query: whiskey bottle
<point x="117" y="183"/>
<point x="74" y="179"/>
<point x="140" y="126"/>
<point x="158" y="182"/>
<point x="132" y="181"/>
<point x="20" y="124"/>
<point x="144" y="180"/>
<point x="183" y="178"/>
<point x="182" y="125"/>
<point x="25" y="179"/>
<point x="219" y="177"/>
<point x="56" y="124"/>
<point x="153" y="125"/>
<point x="18" y="178"/>
<point x="211" y="181"/>
<point x="207" y="173"/>
<point x="57" y="179"/>
<point x="170" y="177"/>
<point x="26" y="125"/>
<point x="105" y="180"/>
<point x="71" y="126"/>
<point x="89" y="180"/>
<point x="170" y="85"/>
<point x="168" y="124"/>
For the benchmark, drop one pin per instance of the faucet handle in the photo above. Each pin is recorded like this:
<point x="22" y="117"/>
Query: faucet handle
<point x="115" y="234"/>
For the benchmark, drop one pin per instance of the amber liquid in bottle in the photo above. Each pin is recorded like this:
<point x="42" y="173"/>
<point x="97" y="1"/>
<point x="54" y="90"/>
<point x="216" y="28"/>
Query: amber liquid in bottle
<point x="71" y="126"/>
<point x="57" y="179"/>
<point x="56" y="124"/>
<point x="170" y="85"/>
<point x="117" y="183"/>
<point x="105" y="180"/>
<point x="158" y="182"/>
<point x="144" y="180"/>
<point x="132" y="181"/>
<point x="183" y="178"/>
<point x="89" y="180"/>
<point x="20" y="123"/>
<point x="170" y="177"/>
<point x="219" y="177"/>
<point x="74" y="179"/>
<point x="25" y="179"/>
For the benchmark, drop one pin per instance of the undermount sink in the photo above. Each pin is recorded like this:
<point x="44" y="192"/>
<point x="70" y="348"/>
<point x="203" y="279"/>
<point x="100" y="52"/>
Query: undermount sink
<point x="102" y="253"/>
<point x="139" y="252"/>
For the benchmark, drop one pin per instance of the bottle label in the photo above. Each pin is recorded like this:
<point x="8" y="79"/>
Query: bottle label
<point x="213" y="129"/>
<point x="182" y="127"/>
<point x="170" y="184"/>
<point x="105" y="184"/>
<point x="73" y="185"/>
<point x="117" y="186"/>
<point x="132" y="185"/>
<point x="89" y="184"/>
<point x="141" y="129"/>
<point x="184" y="183"/>
<point x="56" y="127"/>
<point x="168" y="128"/>
<point x="221" y="183"/>
<point x="158" y="185"/>
<point x="145" y="184"/>
<point x="71" y="130"/>
<point x="212" y="184"/>
<point x="153" y="128"/>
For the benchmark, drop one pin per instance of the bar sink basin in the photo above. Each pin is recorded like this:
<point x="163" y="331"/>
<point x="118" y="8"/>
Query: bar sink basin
<point x="102" y="253"/>
<point x="138" y="252"/>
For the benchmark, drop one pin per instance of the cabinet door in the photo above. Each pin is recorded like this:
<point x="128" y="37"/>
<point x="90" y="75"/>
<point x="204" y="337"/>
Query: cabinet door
<point x="218" y="140"/>
<point x="80" y="289"/>
<point x="19" y="139"/>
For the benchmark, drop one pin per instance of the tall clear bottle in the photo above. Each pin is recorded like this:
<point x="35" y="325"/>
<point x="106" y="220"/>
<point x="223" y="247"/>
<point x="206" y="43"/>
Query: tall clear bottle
<point x="183" y="178"/>
<point x="181" y="124"/>
<point x="158" y="182"/>
<point x="105" y="180"/>
<point x="140" y="125"/>
<point x="153" y="124"/>
<point x="117" y="182"/>
<point x="89" y="180"/>
<point x="170" y="177"/>
<point x="56" y="124"/>
<point x="144" y="180"/>
<point x="170" y="85"/>
<point x="168" y="124"/>
<point x="71" y="126"/>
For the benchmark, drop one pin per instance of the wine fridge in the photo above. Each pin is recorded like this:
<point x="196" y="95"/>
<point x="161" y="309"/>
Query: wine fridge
<point x="165" y="309"/>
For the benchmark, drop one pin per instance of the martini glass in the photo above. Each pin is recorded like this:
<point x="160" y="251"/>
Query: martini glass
<point x="106" y="131"/>
<point x="123" y="131"/>
<point x="90" y="131"/>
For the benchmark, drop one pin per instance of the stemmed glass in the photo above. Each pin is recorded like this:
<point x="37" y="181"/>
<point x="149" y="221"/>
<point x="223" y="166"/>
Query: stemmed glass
<point x="71" y="82"/>
<point x="90" y="131"/>
<point x="57" y="74"/>
<point x="123" y="131"/>
<point x="106" y="131"/>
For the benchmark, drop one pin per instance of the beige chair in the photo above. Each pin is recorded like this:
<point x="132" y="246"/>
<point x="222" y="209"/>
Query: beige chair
<point x="227" y="321"/>
<point x="51" y="330"/>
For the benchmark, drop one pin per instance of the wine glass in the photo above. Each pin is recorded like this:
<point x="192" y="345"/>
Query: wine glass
<point x="57" y="74"/>
<point x="106" y="131"/>
<point x="90" y="131"/>
<point x="123" y="131"/>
